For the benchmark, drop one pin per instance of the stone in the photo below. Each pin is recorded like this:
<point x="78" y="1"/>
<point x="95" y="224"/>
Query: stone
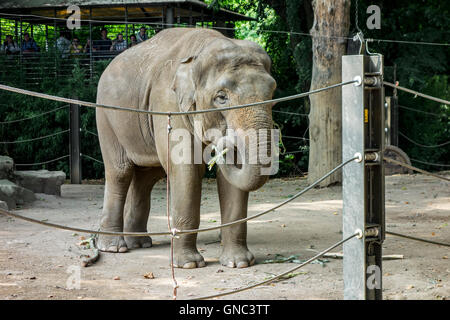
<point x="41" y="181"/>
<point x="6" y="167"/>
<point x="14" y="195"/>
<point x="3" y="205"/>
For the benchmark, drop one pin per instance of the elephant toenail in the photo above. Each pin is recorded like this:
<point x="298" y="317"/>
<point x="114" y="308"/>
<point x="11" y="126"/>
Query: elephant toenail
<point x="112" y="249"/>
<point x="123" y="249"/>
<point x="189" y="265"/>
<point x="242" y="264"/>
<point x="231" y="264"/>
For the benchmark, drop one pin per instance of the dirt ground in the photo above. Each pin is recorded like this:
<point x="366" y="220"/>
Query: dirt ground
<point x="36" y="262"/>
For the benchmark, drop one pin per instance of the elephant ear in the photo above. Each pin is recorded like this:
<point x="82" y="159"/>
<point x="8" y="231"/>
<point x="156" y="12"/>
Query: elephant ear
<point x="183" y="85"/>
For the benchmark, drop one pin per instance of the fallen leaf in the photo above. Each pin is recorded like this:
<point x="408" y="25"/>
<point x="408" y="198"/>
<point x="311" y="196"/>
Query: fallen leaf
<point x="409" y="287"/>
<point x="149" y="275"/>
<point x="116" y="278"/>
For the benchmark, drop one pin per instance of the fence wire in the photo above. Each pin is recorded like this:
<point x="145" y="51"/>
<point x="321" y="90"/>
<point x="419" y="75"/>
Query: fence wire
<point x="415" y="169"/>
<point x="418" y="239"/>
<point x="417" y="93"/>
<point x="431" y="163"/>
<point x="420" y="111"/>
<point x="177" y="232"/>
<point x="423" y="145"/>
<point x="40" y="163"/>
<point x="337" y="244"/>
<point x="33" y="117"/>
<point x="157" y="24"/>
<point x="164" y="113"/>
<point x="35" y="139"/>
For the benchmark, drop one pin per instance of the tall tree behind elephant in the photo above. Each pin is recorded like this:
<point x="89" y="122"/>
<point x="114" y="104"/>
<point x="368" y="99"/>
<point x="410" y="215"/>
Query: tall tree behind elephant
<point x="331" y="21"/>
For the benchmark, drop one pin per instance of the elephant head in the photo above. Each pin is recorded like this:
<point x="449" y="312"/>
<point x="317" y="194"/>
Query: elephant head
<point x="222" y="73"/>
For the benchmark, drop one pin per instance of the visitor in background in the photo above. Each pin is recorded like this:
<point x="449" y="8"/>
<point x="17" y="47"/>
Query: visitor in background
<point x="104" y="44"/>
<point x="28" y="44"/>
<point x="142" y="35"/>
<point x="133" y="41"/>
<point x="119" y="44"/>
<point x="76" y="48"/>
<point x="87" y="47"/>
<point x="10" y="46"/>
<point x="63" y="45"/>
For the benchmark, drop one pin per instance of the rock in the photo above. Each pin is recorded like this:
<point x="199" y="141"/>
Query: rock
<point x="6" y="168"/>
<point x="41" y="181"/>
<point x="14" y="195"/>
<point x="3" y="205"/>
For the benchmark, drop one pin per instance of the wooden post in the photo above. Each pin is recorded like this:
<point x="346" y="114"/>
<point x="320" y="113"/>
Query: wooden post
<point x="75" y="161"/>
<point x="331" y="20"/>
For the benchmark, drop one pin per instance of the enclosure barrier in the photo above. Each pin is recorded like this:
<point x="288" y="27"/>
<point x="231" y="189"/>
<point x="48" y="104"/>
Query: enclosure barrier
<point x="363" y="205"/>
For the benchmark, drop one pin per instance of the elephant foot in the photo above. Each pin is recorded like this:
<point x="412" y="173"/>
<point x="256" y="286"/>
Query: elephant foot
<point x="111" y="244"/>
<point x="138" y="242"/>
<point x="237" y="257"/>
<point x="188" y="260"/>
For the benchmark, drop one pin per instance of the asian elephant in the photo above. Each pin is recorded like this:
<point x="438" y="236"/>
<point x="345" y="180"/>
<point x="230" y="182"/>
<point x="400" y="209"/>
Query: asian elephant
<point x="179" y="69"/>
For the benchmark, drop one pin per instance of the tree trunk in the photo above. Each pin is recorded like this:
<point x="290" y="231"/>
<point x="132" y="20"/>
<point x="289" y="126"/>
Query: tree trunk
<point x="331" y="19"/>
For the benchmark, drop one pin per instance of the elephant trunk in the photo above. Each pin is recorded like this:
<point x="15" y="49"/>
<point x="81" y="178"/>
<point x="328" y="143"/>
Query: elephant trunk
<point x="248" y="174"/>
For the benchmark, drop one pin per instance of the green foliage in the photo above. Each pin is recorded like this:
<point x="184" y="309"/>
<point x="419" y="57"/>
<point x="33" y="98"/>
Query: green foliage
<point x="16" y="106"/>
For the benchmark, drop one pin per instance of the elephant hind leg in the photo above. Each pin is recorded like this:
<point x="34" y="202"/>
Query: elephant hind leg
<point x="137" y="205"/>
<point x="116" y="187"/>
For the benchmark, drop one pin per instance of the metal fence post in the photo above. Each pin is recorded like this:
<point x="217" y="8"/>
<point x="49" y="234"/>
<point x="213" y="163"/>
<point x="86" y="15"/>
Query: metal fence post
<point x="363" y="133"/>
<point x="74" y="145"/>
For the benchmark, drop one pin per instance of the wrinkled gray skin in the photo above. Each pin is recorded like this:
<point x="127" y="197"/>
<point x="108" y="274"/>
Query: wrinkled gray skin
<point x="179" y="70"/>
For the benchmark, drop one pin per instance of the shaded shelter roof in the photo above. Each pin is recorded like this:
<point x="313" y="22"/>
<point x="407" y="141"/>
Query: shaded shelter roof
<point x="118" y="10"/>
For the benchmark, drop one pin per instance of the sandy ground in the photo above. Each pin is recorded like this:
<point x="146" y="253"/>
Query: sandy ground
<point x="36" y="262"/>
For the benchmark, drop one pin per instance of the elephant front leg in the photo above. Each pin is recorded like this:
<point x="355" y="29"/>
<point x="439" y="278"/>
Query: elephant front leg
<point x="185" y="194"/>
<point x="233" y="206"/>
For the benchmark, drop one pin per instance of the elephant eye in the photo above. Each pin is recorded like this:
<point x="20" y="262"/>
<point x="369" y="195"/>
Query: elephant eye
<point x="221" y="98"/>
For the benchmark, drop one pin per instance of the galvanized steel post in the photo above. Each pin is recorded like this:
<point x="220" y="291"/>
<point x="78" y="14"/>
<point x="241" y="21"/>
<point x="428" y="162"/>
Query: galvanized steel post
<point x="74" y="144"/>
<point x="363" y="134"/>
